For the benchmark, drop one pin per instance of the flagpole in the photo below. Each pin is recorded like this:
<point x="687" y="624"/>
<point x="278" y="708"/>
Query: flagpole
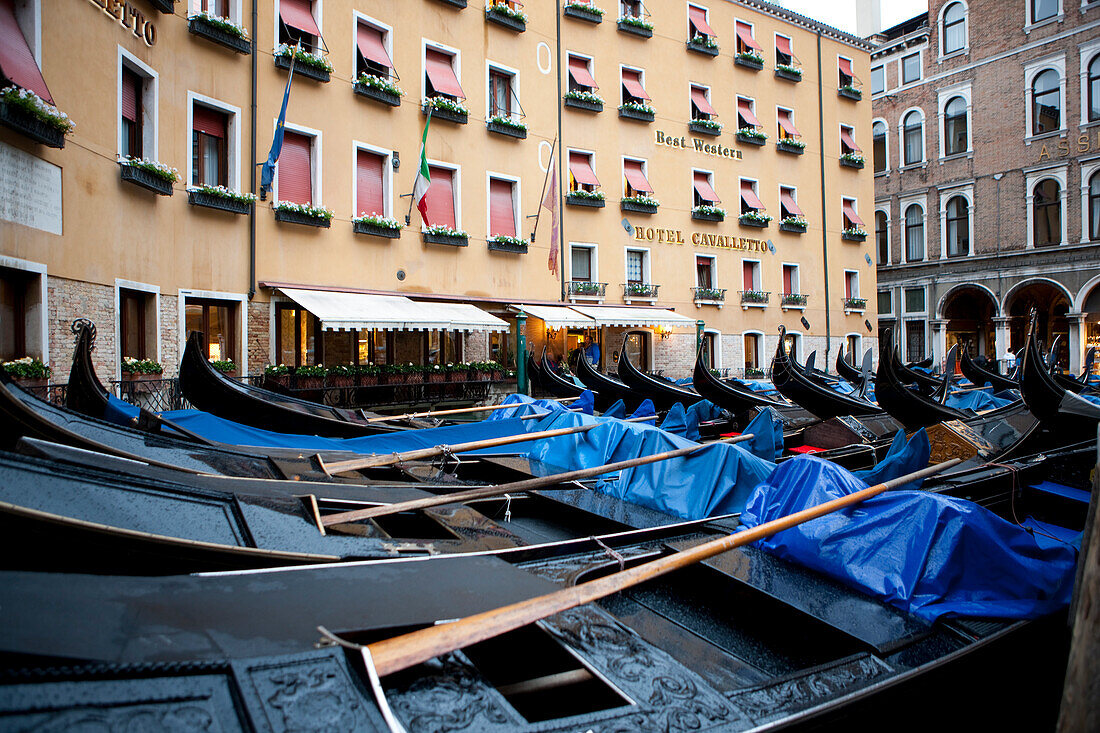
<point x="423" y="152"/>
<point x="268" y="171"/>
<point x="545" y="178"/>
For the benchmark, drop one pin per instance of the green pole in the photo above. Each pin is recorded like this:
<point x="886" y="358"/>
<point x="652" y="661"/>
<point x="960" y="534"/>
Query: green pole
<point x="521" y="353"/>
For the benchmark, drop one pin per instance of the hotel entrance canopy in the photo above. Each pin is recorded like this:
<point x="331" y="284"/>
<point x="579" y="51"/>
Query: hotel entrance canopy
<point x="557" y="316"/>
<point x="617" y="315"/>
<point x="339" y="311"/>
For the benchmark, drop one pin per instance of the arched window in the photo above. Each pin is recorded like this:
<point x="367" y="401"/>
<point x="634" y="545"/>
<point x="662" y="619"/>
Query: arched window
<point x="882" y="237"/>
<point x="1094" y="206"/>
<point x="914" y="233"/>
<point x="913" y="133"/>
<point x="954" y="127"/>
<point x="1094" y="89"/>
<point x="1048" y="213"/>
<point x="954" y="28"/>
<point x="878" y="139"/>
<point x="958" y="227"/>
<point x="1046" y="104"/>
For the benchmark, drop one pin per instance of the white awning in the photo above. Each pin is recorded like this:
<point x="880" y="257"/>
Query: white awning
<point x="344" y="311"/>
<point x="617" y="315"/>
<point x="556" y="316"/>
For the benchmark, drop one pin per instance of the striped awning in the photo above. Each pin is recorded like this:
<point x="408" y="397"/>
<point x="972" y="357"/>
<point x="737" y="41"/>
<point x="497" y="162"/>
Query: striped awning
<point x="342" y="311"/>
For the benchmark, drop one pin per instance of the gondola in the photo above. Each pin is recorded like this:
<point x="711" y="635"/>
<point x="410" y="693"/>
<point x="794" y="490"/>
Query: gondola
<point x="846" y="370"/>
<point x="980" y="377"/>
<point x="731" y="396"/>
<point x="1052" y="403"/>
<point x="607" y="389"/>
<point x="534" y="374"/>
<point x="208" y="389"/>
<point x="1077" y="385"/>
<point x="822" y="401"/>
<point x="555" y="383"/>
<point x="911" y="408"/>
<point x="664" y="394"/>
<point x="925" y="363"/>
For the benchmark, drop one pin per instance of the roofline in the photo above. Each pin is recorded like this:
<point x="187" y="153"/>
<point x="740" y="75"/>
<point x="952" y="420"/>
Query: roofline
<point x="809" y="23"/>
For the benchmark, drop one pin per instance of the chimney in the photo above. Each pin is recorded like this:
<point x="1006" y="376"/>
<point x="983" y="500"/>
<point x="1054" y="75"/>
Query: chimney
<point x="868" y="17"/>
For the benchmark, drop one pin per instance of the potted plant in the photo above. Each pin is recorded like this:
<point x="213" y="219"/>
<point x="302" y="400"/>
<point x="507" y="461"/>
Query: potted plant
<point x="505" y="125"/>
<point x="311" y="65"/>
<point x="639" y="203"/>
<point x="583" y="99"/>
<point x="341" y="375"/>
<point x="307" y="214"/>
<point x="277" y="373"/>
<point x="710" y="294"/>
<point x="582" y="10"/>
<point x="310" y="376"/>
<point x="149" y="174"/>
<point x="377" y="226"/>
<point x="708" y="212"/>
<point x="755" y="219"/>
<point x="713" y="128"/>
<point x="443" y="234"/>
<point x="788" y="72"/>
<point x="637" y="111"/>
<point x="754" y="296"/>
<point x="851" y="92"/>
<point x="226" y="366"/>
<point x="854" y="234"/>
<point x="752" y="136"/>
<point x="584" y="287"/>
<point x="445" y="108"/>
<point x="367" y="374"/>
<point x="754" y="373"/>
<point x="796" y="224"/>
<point x="794" y="300"/>
<point x="852" y="160"/>
<point x="501" y="13"/>
<point x="221" y="198"/>
<point x="749" y="59"/>
<point x="707" y="45"/>
<point x="378" y="88"/>
<point x="140" y="370"/>
<point x="28" y="371"/>
<point x="219" y="30"/>
<point x="790" y="145"/>
<point x="504" y="243"/>
<point x="583" y="197"/>
<point x="855" y="304"/>
<point x="28" y="114"/>
<point x="635" y="26"/>
<point x="435" y="373"/>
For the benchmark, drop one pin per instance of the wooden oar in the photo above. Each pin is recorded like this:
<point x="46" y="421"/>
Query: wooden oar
<point x="388" y="459"/>
<point x="457" y="411"/>
<point x="515" y="487"/>
<point x="401" y="652"/>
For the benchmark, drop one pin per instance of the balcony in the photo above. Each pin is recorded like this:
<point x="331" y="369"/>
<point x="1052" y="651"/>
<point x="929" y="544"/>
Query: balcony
<point x="793" y="301"/>
<point x="855" y="305"/>
<point x="708" y="296"/>
<point x="754" y="298"/>
<point x="586" y="290"/>
<point x="639" y="291"/>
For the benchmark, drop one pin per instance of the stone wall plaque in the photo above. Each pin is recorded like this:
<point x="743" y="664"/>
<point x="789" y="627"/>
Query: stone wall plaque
<point x="30" y="190"/>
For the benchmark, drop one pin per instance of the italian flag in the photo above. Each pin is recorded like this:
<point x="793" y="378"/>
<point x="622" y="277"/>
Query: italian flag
<point x="423" y="176"/>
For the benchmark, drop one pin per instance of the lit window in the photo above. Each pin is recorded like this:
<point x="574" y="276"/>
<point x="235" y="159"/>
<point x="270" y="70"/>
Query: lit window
<point x="217" y="321"/>
<point x="581" y="175"/>
<point x="635" y="182"/>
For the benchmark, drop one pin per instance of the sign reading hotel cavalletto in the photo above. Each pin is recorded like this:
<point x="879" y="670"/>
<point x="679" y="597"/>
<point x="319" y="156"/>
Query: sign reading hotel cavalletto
<point x="130" y="18"/>
<point x="699" y="239"/>
<point x="699" y="146"/>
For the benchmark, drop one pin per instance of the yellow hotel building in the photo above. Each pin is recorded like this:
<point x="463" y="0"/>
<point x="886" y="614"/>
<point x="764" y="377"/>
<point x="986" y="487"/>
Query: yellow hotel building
<point x="704" y="160"/>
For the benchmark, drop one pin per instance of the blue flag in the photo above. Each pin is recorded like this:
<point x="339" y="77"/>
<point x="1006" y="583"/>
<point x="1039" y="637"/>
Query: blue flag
<point x="268" y="173"/>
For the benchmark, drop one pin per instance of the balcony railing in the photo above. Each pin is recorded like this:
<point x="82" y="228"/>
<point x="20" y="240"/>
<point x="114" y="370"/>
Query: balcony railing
<point x="794" y="300"/>
<point x="587" y="289"/>
<point x="640" y="290"/>
<point x="754" y="298"/>
<point x="709" y="295"/>
<point x="855" y="304"/>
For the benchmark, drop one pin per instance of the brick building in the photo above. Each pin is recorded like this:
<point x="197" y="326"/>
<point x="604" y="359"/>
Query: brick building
<point x="987" y="175"/>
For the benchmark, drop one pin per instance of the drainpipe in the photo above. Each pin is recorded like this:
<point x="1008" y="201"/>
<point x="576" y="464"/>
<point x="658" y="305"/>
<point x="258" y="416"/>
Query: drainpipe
<point x="824" y="203"/>
<point x="252" y="170"/>
<point x="521" y="353"/>
<point x="561" y="147"/>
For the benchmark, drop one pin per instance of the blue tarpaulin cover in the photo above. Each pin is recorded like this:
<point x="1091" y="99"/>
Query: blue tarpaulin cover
<point x="119" y="411"/>
<point x="929" y="554"/>
<point x="678" y="422"/>
<point x="767" y="430"/>
<point x="902" y="458"/>
<point x="977" y="399"/>
<point x="618" y="409"/>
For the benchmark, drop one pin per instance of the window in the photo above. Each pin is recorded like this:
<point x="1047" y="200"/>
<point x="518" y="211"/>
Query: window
<point x="914" y="328"/>
<point x="844" y="67"/>
<point x="700" y="103"/>
<point x="580" y="263"/>
<point x="503" y="99"/>
<point x="298" y="24"/>
<point x="854" y="344"/>
<point x="705" y="272"/>
<point x="581" y="175"/>
<point x="848" y="211"/>
<point x="914" y="233"/>
<point x="633" y="86"/>
<point x="913" y="138"/>
<point x="851" y="284"/>
<point x="1043" y="10"/>
<point x="217" y="321"/>
<point x="297" y="335"/>
<point x="746" y="43"/>
<point x="910" y="68"/>
<point x="219" y="8"/>
<point x="580" y="74"/>
<point x="17" y="60"/>
<point x="788" y="203"/>
<point x="1094" y="89"/>
<point x="440" y="77"/>
<point x="137" y="330"/>
<point x="371" y="182"/>
<point x="441" y="207"/>
<point x="878" y="80"/>
<point x="749" y="200"/>
<point x="1046" y="96"/>
<point x="790" y="279"/>
<point x="630" y="8"/>
<point x="750" y="274"/>
<point x="502" y="207"/>
<point x="754" y="348"/>
<point x="955" y="135"/>
<point x="784" y="56"/>
<point x="703" y="193"/>
<point x="848" y="141"/>
<point x="1094" y="207"/>
<point x="958" y="227"/>
<point x="1047" y="213"/>
<point x="746" y="117"/>
<point x="637" y="266"/>
<point x="954" y="28"/>
<point x="792" y="345"/>
<point x="785" y="124"/>
<point x="878" y="145"/>
<point x="885" y="302"/>
<point x="21" y="306"/>
<point x="697" y="23"/>
<point x="295" y="168"/>
<point x="635" y="182"/>
<point x="209" y="146"/>
<point x="137" y="109"/>
<point x="372" y="56"/>
<point x="882" y="237"/>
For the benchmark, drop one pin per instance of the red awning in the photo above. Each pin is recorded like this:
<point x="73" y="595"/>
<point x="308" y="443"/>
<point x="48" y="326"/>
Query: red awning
<point x="502" y="217"/>
<point x="846" y="66"/>
<point x="441" y="73"/>
<point x="744" y="32"/>
<point x="704" y="189"/>
<point x="16" y="60"/>
<point x="849" y="208"/>
<point x="632" y="169"/>
<point x="299" y="14"/>
<point x="786" y="123"/>
<point x="582" y="170"/>
<point x="699" y="99"/>
<point x="699" y="21"/>
<point x="369" y="40"/>
<point x="847" y="139"/>
<point x="578" y="69"/>
<point x="632" y="80"/>
<point x="748" y="196"/>
<point x="783" y="45"/>
<point x="788" y="202"/>
<point x="744" y="108"/>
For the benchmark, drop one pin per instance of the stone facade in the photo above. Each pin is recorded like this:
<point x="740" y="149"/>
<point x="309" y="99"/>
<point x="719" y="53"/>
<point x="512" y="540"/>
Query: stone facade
<point x="259" y="336"/>
<point x="69" y="300"/>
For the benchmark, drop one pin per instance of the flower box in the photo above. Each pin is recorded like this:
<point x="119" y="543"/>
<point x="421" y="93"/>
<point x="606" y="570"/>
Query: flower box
<point x="855" y="304"/>
<point x="580" y="12"/>
<point x="301" y="217"/>
<point x="790" y="226"/>
<point x="643" y="291"/>
<point x="574" y="200"/>
<point x="447" y="114"/>
<point x="750" y="220"/>
<point x="784" y="145"/>
<point x="496" y="14"/>
<point x="633" y="113"/>
<point x="222" y="203"/>
<point x="702" y="47"/>
<point x="310" y="72"/>
<point x="638" y="207"/>
<point x="850" y="93"/>
<point x="374" y="230"/>
<point x="503" y="128"/>
<point x="510" y="244"/>
<point x="850" y="236"/>
<point x="751" y="139"/>
<point x="455" y="3"/>
<point x="701" y="128"/>
<point x="378" y="95"/>
<point x="788" y="74"/>
<point x="454" y="240"/>
<point x="851" y="162"/>
<point x="583" y="104"/>
<point x="211" y="31"/>
<point x="164" y="6"/>
<point x="635" y="30"/>
<point x="30" y="126"/>
<point x="707" y="215"/>
<point x="749" y="61"/>
<point x="145" y="179"/>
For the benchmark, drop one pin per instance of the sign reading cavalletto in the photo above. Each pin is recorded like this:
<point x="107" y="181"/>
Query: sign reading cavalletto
<point x="130" y="17"/>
